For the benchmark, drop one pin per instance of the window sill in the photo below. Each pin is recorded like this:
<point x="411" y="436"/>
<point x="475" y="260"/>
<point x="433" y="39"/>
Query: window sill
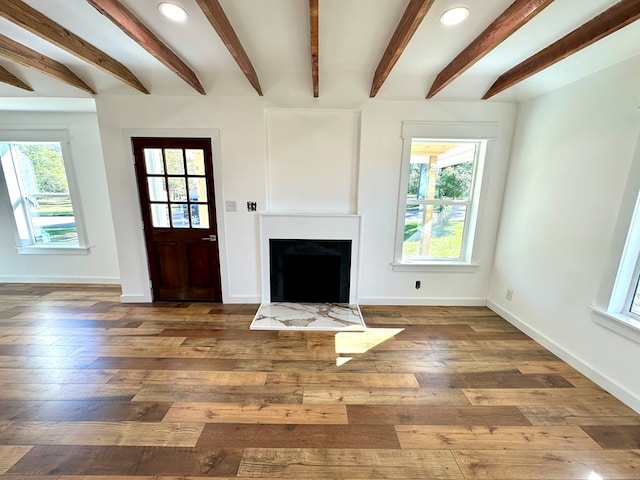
<point x="53" y="250"/>
<point x="453" y="267"/>
<point x="619" y="323"/>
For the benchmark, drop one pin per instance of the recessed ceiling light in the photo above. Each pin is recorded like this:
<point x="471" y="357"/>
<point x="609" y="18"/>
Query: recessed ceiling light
<point x="173" y="11"/>
<point x="454" y="16"/>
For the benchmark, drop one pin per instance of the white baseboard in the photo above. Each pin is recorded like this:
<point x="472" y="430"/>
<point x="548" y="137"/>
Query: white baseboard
<point x="592" y="373"/>
<point x="251" y="299"/>
<point x="57" y="279"/>
<point x="451" y="302"/>
<point x="135" y="298"/>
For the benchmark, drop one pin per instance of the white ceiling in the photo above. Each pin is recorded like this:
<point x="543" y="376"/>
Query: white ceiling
<point x="353" y="36"/>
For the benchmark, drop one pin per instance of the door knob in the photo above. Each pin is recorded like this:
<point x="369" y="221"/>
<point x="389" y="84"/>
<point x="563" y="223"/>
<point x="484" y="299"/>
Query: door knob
<point x="211" y="238"/>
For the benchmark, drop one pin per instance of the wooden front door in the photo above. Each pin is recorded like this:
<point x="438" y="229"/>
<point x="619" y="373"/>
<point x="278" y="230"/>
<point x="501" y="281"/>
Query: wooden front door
<point x="175" y="184"/>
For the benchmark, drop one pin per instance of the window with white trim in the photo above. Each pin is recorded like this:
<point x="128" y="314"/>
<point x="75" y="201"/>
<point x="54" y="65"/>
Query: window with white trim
<point x="38" y="185"/>
<point x="634" y="300"/>
<point x="439" y="192"/>
<point x="627" y="285"/>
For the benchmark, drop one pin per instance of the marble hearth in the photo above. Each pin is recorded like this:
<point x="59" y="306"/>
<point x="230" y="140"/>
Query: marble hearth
<point x="308" y="316"/>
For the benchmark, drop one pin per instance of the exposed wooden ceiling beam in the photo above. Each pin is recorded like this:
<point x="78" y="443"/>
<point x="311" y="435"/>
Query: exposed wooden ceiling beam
<point x="10" y="79"/>
<point x="313" y="32"/>
<point x="35" y="22"/>
<point x="134" y="28"/>
<point x="219" y="21"/>
<point x="409" y="23"/>
<point x="26" y="57"/>
<point x="518" y="14"/>
<point x="621" y="14"/>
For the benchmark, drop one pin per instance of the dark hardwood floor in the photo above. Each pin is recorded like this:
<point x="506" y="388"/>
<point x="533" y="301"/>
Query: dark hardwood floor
<point x="91" y="388"/>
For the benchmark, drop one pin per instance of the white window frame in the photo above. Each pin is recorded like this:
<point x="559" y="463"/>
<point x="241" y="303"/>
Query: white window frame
<point x="612" y="306"/>
<point x="634" y="289"/>
<point x="484" y="132"/>
<point x="28" y="247"/>
<point x="628" y="271"/>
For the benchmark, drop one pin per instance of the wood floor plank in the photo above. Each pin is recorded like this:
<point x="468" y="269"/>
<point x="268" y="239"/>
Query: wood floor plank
<point x="83" y="410"/>
<point x="162" y="363"/>
<point x="550" y="367"/>
<point x="494" y="345"/>
<point x="621" y="437"/>
<point x="139" y="351"/>
<point x="588" y="414"/>
<point x="537" y="396"/>
<point x="442" y="367"/>
<point x="489" y="438"/>
<point x="275" y="414"/>
<point x="10" y="455"/>
<point x="21" y="361"/>
<point x="550" y="464"/>
<point x="249" y="395"/>
<point x="333" y="380"/>
<point x="53" y="375"/>
<point x="123" y="461"/>
<point x="121" y="340"/>
<point x="37" y="350"/>
<point x="192" y="377"/>
<point x="444" y="356"/>
<point x="434" y="415"/>
<point x="389" y="396"/>
<point x="42" y="318"/>
<point x="160" y="434"/>
<point x="348" y="463"/>
<point x="69" y="392"/>
<point x="28" y="339"/>
<point x="267" y="350"/>
<point x="511" y="356"/>
<point x="351" y="366"/>
<point x="298" y="436"/>
<point x="491" y="380"/>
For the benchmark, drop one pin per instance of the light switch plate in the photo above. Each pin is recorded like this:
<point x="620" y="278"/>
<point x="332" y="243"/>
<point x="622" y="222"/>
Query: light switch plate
<point x="231" y="206"/>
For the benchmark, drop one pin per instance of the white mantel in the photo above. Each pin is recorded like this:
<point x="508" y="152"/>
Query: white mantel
<point x="309" y="226"/>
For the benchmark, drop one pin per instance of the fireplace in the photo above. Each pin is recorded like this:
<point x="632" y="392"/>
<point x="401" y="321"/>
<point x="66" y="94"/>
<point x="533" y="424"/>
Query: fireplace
<point x="325" y="244"/>
<point x="310" y="270"/>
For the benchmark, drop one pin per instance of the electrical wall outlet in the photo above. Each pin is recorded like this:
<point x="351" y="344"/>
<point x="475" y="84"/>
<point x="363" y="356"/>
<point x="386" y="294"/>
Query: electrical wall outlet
<point x="509" y="294"/>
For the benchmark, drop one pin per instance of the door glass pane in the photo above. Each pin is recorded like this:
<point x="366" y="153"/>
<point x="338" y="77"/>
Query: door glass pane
<point x="180" y="215"/>
<point x="175" y="161"/>
<point x="199" y="216"/>
<point x="153" y="160"/>
<point x="160" y="215"/>
<point x="177" y="189"/>
<point x="197" y="190"/>
<point x="195" y="162"/>
<point x="157" y="189"/>
<point x="433" y="231"/>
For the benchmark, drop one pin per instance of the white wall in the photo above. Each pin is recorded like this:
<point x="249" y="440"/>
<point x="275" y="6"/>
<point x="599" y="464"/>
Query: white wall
<point x="100" y="265"/>
<point x="243" y="173"/>
<point x="572" y="155"/>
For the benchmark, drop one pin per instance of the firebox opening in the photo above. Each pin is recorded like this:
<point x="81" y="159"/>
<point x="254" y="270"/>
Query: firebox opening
<point x="313" y="271"/>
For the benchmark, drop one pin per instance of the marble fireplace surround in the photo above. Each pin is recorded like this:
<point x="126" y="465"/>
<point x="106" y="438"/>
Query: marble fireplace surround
<point x="309" y="226"/>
